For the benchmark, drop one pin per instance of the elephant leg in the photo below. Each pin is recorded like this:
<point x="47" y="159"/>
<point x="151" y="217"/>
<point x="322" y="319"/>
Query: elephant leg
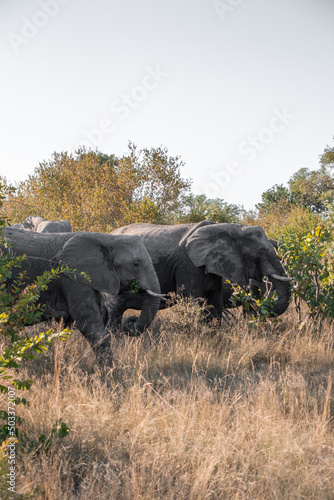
<point x="116" y="307"/>
<point x="215" y="306"/>
<point x="198" y="284"/>
<point x="91" y="325"/>
<point x="113" y="308"/>
<point x="84" y="307"/>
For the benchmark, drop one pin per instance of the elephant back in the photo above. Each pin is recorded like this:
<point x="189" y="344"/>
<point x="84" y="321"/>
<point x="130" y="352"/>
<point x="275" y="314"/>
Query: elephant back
<point x="161" y="240"/>
<point x="35" y="244"/>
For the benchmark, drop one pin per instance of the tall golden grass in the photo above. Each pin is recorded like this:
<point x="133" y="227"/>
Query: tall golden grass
<point x="189" y="411"/>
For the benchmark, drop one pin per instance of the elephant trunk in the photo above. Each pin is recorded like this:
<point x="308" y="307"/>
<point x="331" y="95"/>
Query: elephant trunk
<point x="273" y="268"/>
<point x="283" y="290"/>
<point x="151" y="303"/>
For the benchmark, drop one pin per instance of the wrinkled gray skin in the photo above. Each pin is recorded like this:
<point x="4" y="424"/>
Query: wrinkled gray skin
<point x="40" y="225"/>
<point x="202" y="256"/>
<point x="110" y="261"/>
<point x="264" y="287"/>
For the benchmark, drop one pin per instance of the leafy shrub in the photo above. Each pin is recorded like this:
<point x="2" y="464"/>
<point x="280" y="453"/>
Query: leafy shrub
<point x="18" y="307"/>
<point x="308" y="259"/>
<point x="260" y="306"/>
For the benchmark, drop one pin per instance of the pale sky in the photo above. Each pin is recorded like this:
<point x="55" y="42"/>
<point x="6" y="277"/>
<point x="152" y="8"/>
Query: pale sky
<point x="241" y="90"/>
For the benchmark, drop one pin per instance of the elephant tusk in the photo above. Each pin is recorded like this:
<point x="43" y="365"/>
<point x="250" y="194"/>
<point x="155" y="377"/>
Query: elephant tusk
<point x="281" y="278"/>
<point x="161" y="295"/>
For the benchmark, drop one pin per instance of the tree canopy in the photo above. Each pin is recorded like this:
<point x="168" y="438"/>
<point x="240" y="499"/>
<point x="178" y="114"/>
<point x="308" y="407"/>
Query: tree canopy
<point x="309" y="189"/>
<point x="304" y="203"/>
<point x="195" y="208"/>
<point x="99" y="192"/>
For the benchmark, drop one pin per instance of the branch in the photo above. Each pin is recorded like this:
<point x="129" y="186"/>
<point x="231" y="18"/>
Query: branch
<point x="17" y="201"/>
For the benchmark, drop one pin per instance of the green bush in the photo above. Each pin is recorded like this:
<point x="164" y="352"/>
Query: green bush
<point x="18" y="308"/>
<point x="308" y="259"/>
<point x="259" y="307"/>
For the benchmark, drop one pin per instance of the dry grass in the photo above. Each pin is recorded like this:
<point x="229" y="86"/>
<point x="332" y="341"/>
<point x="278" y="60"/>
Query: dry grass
<point x="189" y="411"/>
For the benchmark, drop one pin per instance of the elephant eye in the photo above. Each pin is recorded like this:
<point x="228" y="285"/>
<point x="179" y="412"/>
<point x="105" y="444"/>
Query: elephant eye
<point x="136" y="264"/>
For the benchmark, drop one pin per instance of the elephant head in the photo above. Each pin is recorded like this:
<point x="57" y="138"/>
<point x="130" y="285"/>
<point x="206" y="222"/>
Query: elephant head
<point x="32" y="222"/>
<point x="113" y="264"/>
<point x="238" y="253"/>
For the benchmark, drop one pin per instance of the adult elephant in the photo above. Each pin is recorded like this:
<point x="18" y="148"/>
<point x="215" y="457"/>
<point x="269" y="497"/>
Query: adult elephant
<point x="112" y="264"/>
<point x="201" y="257"/>
<point x="41" y="225"/>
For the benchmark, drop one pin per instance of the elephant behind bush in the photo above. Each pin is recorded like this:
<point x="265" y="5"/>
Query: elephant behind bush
<point x="41" y="225"/>
<point x="200" y="258"/>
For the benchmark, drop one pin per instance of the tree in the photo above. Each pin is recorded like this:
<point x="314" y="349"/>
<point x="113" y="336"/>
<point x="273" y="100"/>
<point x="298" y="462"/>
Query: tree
<point x="80" y="187"/>
<point x="295" y="219"/>
<point x="312" y="189"/>
<point x="276" y="197"/>
<point x="327" y="157"/>
<point x="303" y="204"/>
<point x="157" y="187"/>
<point x="309" y="189"/>
<point x="195" y="208"/>
<point x="99" y="192"/>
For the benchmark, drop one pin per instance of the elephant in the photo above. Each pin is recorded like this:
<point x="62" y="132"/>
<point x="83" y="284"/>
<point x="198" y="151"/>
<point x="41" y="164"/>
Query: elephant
<point x="112" y="263"/>
<point x="201" y="257"/>
<point x="41" y="225"/>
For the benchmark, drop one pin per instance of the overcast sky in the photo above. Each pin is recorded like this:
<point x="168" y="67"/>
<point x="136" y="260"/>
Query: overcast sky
<point x="242" y="90"/>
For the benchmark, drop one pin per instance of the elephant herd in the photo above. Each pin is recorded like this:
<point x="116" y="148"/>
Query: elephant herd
<point x="136" y="266"/>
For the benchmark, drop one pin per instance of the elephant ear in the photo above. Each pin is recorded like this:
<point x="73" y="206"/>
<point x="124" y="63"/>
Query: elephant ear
<point x="86" y="253"/>
<point x="213" y="247"/>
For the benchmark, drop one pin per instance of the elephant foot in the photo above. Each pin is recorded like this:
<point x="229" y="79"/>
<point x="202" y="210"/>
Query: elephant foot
<point x="129" y="326"/>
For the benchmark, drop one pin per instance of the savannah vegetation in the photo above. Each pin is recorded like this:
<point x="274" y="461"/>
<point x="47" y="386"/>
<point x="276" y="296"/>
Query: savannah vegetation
<point x="189" y="410"/>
